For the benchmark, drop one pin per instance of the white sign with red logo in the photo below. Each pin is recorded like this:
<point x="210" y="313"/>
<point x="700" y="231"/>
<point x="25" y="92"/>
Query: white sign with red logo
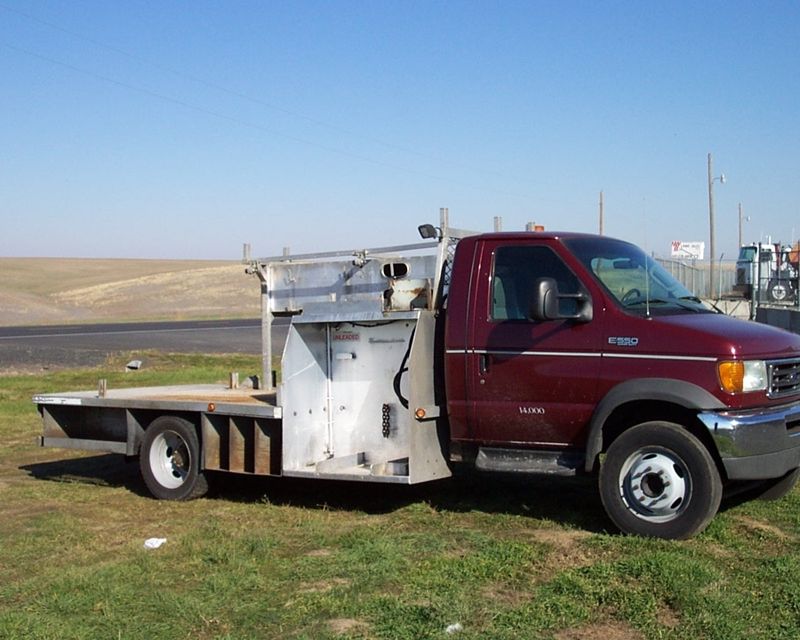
<point x="690" y="250"/>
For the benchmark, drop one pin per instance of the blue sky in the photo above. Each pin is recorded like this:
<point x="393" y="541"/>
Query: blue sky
<point x="183" y="129"/>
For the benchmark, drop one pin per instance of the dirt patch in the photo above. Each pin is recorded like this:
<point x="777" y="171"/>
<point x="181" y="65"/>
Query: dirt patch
<point x="322" y="586"/>
<point x="601" y="631"/>
<point x="716" y="550"/>
<point x="566" y="552"/>
<point x="341" y="626"/>
<point x="757" y="526"/>
<point x="320" y="553"/>
<point x="211" y="628"/>
<point x="506" y="597"/>
<point x="560" y="538"/>
<point x="16" y="516"/>
<point x="668" y="617"/>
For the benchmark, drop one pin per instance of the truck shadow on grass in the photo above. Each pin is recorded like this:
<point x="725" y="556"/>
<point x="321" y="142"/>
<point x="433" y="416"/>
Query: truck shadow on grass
<point x="572" y="502"/>
<point x="106" y="470"/>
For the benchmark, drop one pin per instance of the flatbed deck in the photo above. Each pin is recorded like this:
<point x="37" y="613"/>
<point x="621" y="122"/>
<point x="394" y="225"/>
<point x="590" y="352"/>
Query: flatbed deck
<point x="240" y="427"/>
<point x="196" y="398"/>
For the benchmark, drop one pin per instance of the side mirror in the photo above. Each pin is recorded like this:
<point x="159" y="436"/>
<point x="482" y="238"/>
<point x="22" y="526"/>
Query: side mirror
<point x="428" y="231"/>
<point x="545" y="303"/>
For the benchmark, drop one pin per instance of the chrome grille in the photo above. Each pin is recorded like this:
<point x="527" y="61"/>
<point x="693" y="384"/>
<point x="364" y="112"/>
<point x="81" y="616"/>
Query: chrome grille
<point x="784" y="377"/>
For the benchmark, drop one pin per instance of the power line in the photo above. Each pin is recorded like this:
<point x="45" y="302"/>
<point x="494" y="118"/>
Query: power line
<point x="245" y="123"/>
<point x="243" y="96"/>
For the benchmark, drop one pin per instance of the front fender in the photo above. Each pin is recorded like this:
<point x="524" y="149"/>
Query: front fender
<point x="678" y="392"/>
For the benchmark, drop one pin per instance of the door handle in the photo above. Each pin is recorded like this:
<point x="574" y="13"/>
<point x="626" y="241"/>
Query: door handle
<point x="483" y="364"/>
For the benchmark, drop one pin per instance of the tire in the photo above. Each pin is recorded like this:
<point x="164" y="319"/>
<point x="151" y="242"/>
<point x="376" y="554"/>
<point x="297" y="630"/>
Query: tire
<point x="169" y="460"/>
<point x="777" y="489"/>
<point x="658" y="480"/>
<point x="780" y="291"/>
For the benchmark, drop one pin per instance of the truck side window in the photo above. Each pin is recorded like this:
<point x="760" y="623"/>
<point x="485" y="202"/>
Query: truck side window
<point x="515" y="271"/>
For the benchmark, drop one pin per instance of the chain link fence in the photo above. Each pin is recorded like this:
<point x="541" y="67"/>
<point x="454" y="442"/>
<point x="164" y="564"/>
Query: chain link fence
<point x="694" y="276"/>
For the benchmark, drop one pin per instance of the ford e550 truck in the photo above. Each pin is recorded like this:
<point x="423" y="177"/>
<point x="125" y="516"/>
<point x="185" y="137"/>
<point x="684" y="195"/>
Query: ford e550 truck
<point x="529" y="353"/>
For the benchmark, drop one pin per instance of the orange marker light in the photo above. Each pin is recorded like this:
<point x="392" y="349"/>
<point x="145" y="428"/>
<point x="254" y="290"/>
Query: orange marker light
<point x="731" y="376"/>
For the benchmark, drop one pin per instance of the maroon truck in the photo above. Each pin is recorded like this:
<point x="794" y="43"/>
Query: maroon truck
<point x="574" y="353"/>
<point x="548" y="353"/>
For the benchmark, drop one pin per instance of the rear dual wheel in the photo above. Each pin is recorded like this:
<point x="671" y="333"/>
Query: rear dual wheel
<point x="659" y="480"/>
<point x="169" y="460"/>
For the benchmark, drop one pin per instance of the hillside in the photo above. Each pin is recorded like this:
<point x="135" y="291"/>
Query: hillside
<point x="71" y="290"/>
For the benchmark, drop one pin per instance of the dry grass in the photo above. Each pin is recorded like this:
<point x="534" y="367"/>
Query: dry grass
<point x="66" y="290"/>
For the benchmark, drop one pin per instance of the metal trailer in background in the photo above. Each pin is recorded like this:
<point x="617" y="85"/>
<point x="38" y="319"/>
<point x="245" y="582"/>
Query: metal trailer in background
<point x="356" y="398"/>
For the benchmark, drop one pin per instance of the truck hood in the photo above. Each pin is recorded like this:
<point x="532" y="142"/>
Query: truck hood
<point x="723" y="336"/>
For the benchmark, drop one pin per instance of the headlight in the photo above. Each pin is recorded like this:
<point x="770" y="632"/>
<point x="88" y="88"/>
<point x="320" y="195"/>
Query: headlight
<point x="737" y="376"/>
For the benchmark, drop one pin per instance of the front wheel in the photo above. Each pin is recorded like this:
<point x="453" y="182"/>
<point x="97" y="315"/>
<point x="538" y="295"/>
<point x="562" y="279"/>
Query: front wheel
<point x="170" y="460"/>
<point x="659" y="480"/>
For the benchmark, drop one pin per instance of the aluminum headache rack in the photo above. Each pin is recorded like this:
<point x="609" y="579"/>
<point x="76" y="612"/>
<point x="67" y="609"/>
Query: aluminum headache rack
<point x="357" y="387"/>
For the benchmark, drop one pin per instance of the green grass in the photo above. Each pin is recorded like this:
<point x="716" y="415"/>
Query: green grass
<point x="282" y="558"/>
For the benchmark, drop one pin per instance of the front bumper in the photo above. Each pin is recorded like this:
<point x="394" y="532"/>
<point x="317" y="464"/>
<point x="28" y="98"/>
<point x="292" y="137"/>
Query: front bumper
<point x="758" y="444"/>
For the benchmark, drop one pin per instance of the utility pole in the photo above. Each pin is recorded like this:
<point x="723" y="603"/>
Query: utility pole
<point x="601" y="213"/>
<point x="742" y="218"/>
<point x="740" y="225"/>
<point x="711" y="247"/>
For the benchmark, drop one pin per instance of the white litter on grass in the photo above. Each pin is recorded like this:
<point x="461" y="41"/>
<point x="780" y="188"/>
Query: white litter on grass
<point x="154" y="543"/>
<point x="454" y="628"/>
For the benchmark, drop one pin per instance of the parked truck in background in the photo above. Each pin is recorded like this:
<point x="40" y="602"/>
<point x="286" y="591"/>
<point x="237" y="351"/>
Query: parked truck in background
<point x="528" y="353"/>
<point x="768" y="271"/>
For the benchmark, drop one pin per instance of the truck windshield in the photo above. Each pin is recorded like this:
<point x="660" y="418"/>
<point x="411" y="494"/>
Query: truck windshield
<point x="638" y="283"/>
<point x="747" y="254"/>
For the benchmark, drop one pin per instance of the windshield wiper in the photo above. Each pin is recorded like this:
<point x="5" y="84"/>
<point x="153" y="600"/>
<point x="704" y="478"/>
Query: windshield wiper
<point x="700" y="302"/>
<point x="679" y="302"/>
<point x="643" y="300"/>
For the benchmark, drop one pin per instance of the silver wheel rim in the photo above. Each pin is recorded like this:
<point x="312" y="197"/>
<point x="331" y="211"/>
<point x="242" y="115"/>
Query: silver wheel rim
<point x="170" y="460"/>
<point x="655" y="485"/>
<point x="780" y="292"/>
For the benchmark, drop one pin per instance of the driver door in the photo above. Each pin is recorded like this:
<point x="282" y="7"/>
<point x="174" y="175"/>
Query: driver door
<point x="533" y="383"/>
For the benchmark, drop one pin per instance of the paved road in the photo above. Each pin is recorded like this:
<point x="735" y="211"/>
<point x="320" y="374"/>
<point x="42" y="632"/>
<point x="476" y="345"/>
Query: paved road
<point x="88" y="345"/>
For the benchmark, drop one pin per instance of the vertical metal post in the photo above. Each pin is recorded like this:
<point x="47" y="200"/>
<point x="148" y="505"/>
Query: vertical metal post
<point x="329" y="452"/>
<point x="498" y="223"/>
<point x="444" y="220"/>
<point x="601" y="213"/>
<point x="266" y="332"/>
<point x="711" y="247"/>
<point x="756" y="285"/>
<point x="740" y="227"/>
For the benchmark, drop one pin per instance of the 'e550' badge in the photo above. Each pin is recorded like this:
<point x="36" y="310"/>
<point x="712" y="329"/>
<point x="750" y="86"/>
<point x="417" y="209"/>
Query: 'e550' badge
<point x="624" y="341"/>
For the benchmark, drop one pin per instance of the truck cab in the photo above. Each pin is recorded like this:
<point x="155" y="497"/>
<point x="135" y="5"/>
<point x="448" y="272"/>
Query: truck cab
<point x="565" y="349"/>
<point x="768" y="270"/>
